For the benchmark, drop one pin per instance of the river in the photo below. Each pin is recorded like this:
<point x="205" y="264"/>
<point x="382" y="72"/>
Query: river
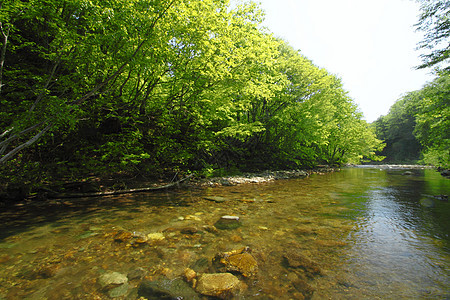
<point x="360" y="233"/>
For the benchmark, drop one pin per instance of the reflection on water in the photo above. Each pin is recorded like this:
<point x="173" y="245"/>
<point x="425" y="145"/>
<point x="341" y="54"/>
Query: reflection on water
<point x="359" y="233"/>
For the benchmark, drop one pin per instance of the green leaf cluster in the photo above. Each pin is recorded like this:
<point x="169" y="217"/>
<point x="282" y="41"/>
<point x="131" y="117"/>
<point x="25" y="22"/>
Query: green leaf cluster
<point x="417" y="126"/>
<point x="138" y="85"/>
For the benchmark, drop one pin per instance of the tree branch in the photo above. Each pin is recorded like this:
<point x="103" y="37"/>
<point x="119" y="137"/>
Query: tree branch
<point x="28" y="143"/>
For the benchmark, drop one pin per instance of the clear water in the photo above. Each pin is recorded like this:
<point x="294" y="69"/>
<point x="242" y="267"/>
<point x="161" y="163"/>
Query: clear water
<point x="375" y="234"/>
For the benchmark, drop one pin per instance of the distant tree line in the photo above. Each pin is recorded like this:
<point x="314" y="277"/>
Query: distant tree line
<point x="151" y="86"/>
<point x="417" y="127"/>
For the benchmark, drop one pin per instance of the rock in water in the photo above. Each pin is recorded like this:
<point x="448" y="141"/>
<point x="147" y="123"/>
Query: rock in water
<point x="237" y="261"/>
<point x="166" y="289"/>
<point x="119" y="291"/>
<point x="137" y="273"/>
<point x="156" y="236"/>
<point x="296" y="260"/>
<point x="243" y="263"/>
<point x="220" y="285"/>
<point x="228" y="222"/>
<point x="303" y="287"/>
<point x="216" y="199"/>
<point x="114" y="283"/>
<point x="111" y="280"/>
<point x="189" y="275"/>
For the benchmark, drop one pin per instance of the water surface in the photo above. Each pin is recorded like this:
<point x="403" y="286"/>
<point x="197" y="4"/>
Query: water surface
<point x="374" y="234"/>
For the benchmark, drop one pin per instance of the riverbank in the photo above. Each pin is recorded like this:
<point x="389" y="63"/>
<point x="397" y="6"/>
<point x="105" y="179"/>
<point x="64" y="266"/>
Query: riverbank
<point x="259" y="177"/>
<point x="127" y="183"/>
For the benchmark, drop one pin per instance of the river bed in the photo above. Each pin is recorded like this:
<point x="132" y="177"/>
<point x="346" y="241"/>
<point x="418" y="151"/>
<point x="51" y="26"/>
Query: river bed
<point x="361" y="233"/>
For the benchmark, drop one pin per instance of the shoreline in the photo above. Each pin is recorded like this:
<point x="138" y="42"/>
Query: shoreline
<point x="394" y="166"/>
<point x="102" y="188"/>
<point x="257" y="177"/>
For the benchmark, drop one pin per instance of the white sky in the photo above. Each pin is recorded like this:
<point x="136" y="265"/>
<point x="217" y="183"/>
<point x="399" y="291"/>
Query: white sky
<point x="369" y="44"/>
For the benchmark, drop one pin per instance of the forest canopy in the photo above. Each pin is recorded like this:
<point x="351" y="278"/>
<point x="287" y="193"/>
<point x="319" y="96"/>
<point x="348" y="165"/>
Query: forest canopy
<point x="416" y="129"/>
<point x="95" y="87"/>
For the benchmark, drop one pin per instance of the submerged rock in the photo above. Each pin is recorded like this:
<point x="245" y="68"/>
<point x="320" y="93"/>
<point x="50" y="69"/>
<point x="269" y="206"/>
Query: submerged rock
<point x="228" y="222"/>
<point x="220" y="285"/>
<point x="47" y="271"/>
<point x="297" y="260"/>
<point x="111" y="280"/>
<point x="156" y="236"/>
<point x="137" y="273"/>
<point x="122" y="236"/>
<point x="216" y="199"/>
<point x="237" y="261"/>
<point x="303" y="287"/>
<point x="119" y="291"/>
<point x="190" y="275"/>
<point x="189" y="230"/>
<point x="166" y="289"/>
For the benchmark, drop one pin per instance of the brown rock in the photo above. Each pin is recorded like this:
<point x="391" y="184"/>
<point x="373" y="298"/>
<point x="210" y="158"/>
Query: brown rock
<point x="297" y="260"/>
<point x="4" y="258"/>
<point x="243" y="263"/>
<point x="220" y="285"/>
<point x="47" y="271"/>
<point x="239" y="261"/>
<point x="303" y="287"/>
<point x="189" y="274"/>
<point x="122" y="236"/>
<point x="189" y="230"/>
<point x="210" y="228"/>
<point x="236" y="238"/>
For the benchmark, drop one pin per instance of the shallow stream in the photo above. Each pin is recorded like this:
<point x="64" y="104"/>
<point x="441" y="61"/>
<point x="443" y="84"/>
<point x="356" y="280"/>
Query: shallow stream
<point x="369" y="233"/>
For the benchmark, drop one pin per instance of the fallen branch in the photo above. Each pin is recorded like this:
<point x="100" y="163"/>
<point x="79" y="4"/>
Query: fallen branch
<point x="118" y="192"/>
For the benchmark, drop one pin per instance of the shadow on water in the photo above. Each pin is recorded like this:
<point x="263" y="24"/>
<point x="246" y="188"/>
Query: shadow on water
<point x="25" y="216"/>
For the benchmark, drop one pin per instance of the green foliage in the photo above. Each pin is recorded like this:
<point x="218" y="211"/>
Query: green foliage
<point x="433" y="122"/>
<point x="396" y="129"/>
<point x="435" y="23"/>
<point x="139" y="85"/>
<point x="417" y="126"/>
